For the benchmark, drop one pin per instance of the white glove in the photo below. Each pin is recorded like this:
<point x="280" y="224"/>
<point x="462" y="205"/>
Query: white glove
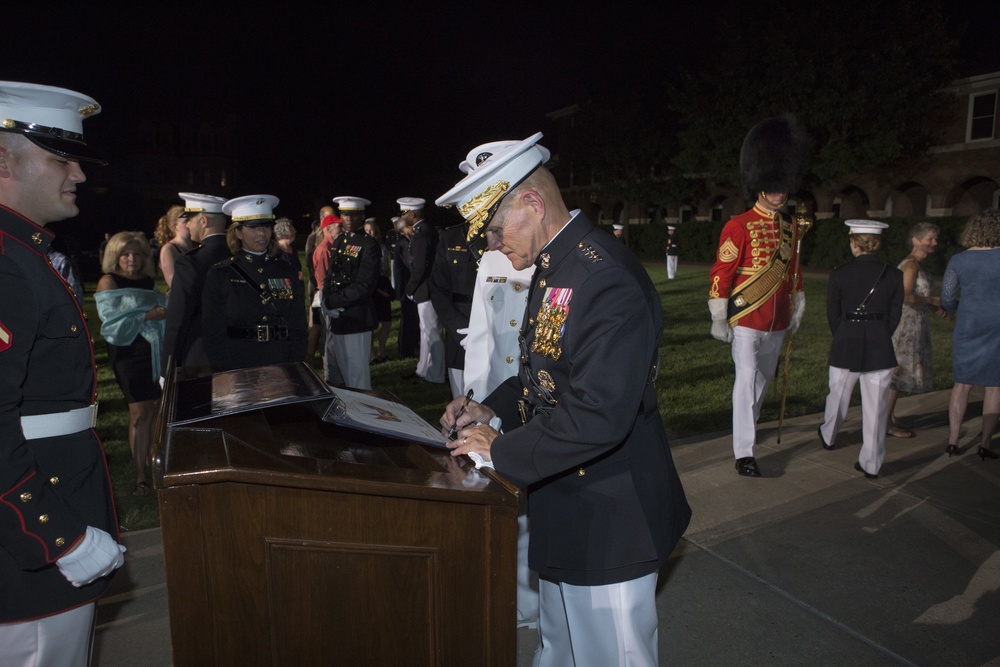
<point x="97" y="555"/>
<point x="464" y="333"/>
<point x="798" y="310"/>
<point x="720" y="324"/>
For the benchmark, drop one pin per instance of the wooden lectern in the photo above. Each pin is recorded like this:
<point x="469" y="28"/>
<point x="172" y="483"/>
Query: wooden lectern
<point x="291" y="541"/>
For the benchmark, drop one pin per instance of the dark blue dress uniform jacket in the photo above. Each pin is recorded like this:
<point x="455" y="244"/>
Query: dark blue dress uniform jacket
<point x="453" y="281"/>
<point x="51" y="489"/>
<point x="182" y="336"/>
<point x="866" y="345"/>
<point x="355" y="265"/>
<point x="423" y="247"/>
<point x="604" y="498"/>
<point x="230" y="302"/>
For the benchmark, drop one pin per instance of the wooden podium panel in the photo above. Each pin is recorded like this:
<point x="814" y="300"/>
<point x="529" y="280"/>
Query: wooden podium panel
<point x="290" y="541"/>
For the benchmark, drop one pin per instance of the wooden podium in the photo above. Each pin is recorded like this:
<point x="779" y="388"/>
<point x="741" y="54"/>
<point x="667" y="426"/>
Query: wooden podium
<point x="291" y="541"/>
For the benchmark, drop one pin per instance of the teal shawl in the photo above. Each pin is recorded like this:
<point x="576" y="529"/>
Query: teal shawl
<point x="123" y="317"/>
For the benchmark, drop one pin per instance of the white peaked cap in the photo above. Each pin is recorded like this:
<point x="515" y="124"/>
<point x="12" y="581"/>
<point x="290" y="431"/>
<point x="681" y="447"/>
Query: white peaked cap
<point x="865" y="226"/>
<point x="351" y="203"/>
<point x="50" y="117"/>
<point x="251" y="207"/>
<point x="494" y="169"/>
<point x="410" y="204"/>
<point x="198" y="203"/>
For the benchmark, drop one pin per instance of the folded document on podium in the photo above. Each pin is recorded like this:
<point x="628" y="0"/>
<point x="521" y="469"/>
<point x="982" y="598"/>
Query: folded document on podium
<point x="206" y="396"/>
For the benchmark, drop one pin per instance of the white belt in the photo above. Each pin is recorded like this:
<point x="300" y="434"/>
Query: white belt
<point x="59" y="423"/>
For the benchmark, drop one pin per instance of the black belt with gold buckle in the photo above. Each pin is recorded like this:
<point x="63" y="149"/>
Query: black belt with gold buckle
<point x="262" y="333"/>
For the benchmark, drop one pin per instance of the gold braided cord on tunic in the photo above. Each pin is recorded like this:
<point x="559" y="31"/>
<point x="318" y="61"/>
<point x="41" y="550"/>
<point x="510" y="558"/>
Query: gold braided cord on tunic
<point x="752" y="294"/>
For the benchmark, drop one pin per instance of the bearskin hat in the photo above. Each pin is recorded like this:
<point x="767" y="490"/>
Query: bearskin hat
<point x="773" y="156"/>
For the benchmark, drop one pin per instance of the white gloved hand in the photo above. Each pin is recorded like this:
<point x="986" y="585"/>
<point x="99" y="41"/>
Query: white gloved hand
<point x="798" y="310"/>
<point x="720" y="324"/>
<point x="464" y="333"/>
<point x="97" y="555"/>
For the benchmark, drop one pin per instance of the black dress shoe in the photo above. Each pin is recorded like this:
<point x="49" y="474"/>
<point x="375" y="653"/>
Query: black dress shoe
<point x="857" y="466"/>
<point x="819" y="432"/>
<point x="747" y="466"/>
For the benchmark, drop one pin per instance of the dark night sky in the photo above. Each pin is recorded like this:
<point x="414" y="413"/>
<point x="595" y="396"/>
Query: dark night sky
<point x="363" y="98"/>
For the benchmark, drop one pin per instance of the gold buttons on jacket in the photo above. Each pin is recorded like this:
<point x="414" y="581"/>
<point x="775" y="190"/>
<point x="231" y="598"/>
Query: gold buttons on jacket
<point x="513" y="323"/>
<point x="541" y="283"/>
<point x="26" y="497"/>
<point x="37" y="238"/>
<point x="60" y="541"/>
<point x="53" y="480"/>
<point x="525" y="391"/>
<point x="510" y="360"/>
<point x="517" y="287"/>
<point x="73" y="329"/>
<point x="581" y="472"/>
<point x="43" y="519"/>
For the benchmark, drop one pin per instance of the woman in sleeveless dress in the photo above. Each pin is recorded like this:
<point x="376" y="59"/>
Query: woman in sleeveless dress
<point x="175" y="240"/>
<point x="912" y="339"/>
<point x="132" y="316"/>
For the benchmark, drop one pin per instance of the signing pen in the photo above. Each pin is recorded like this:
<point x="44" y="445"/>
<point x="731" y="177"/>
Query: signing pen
<point x="454" y="427"/>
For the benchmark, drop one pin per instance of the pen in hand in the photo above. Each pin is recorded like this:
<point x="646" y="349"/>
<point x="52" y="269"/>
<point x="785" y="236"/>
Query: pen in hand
<point x="454" y="427"/>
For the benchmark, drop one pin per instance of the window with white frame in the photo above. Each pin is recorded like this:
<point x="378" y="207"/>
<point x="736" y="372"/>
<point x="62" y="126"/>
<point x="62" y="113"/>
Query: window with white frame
<point x="982" y="116"/>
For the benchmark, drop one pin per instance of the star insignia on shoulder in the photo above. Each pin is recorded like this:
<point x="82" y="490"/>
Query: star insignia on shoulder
<point x="590" y="252"/>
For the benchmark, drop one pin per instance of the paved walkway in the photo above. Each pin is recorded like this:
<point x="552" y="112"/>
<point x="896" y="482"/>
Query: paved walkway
<point x="810" y="565"/>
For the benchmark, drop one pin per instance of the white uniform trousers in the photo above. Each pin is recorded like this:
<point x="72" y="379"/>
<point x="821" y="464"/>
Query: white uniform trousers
<point x="62" y="640"/>
<point x="598" y="626"/>
<point x="352" y="351"/>
<point x="527" y="579"/>
<point x="331" y="371"/>
<point x="671" y="266"/>
<point x="874" y="412"/>
<point x="431" y="364"/>
<point x="456" y="376"/>
<point x="755" y="354"/>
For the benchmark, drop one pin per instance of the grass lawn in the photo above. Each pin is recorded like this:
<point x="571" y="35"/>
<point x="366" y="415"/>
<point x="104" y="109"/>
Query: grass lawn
<point x="694" y="383"/>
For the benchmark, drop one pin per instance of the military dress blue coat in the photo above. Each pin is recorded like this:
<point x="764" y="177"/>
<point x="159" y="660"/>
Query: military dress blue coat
<point x="604" y="498"/>
<point x="51" y="488"/>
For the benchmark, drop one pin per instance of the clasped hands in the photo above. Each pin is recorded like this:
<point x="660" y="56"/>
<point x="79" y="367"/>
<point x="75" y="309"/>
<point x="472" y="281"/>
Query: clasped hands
<point x="472" y="424"/>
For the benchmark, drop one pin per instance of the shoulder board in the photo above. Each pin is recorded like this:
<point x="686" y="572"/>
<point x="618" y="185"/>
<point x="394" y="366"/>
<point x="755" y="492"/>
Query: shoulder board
<point x="589" y="251"/>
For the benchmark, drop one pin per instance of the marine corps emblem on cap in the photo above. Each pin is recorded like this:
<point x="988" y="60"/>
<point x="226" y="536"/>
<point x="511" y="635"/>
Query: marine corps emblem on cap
<point x="493" y="170"/>
<point x="52" y="118"/>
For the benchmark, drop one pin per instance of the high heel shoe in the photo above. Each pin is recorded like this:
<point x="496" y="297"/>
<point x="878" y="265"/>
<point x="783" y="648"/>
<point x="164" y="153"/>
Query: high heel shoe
<point x="987" y="454"/>
<point x="953" y="450"/>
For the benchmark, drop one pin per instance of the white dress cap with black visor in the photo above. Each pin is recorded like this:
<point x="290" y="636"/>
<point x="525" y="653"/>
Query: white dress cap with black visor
<point x="195" y="203"/>
<point x="52" y="118"/>
<point x="351" y="203"/>
<point x="251" y="210"/>
<point x="865" y="226"/>
<point x="493" y="170"/>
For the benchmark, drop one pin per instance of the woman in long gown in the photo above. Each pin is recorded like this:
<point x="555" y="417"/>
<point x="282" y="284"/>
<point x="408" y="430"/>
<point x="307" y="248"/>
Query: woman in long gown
<point x="912" y="339"/>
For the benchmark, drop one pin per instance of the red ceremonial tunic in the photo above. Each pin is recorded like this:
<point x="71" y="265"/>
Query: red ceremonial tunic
<point x="746" y="245"/>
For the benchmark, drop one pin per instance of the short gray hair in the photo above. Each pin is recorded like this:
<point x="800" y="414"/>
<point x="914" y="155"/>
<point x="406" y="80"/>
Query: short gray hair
<point x="283" y="228"/>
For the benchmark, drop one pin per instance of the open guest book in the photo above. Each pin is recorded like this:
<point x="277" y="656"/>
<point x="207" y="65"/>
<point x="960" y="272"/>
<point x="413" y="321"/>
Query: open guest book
<point x="201" y="397"/>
